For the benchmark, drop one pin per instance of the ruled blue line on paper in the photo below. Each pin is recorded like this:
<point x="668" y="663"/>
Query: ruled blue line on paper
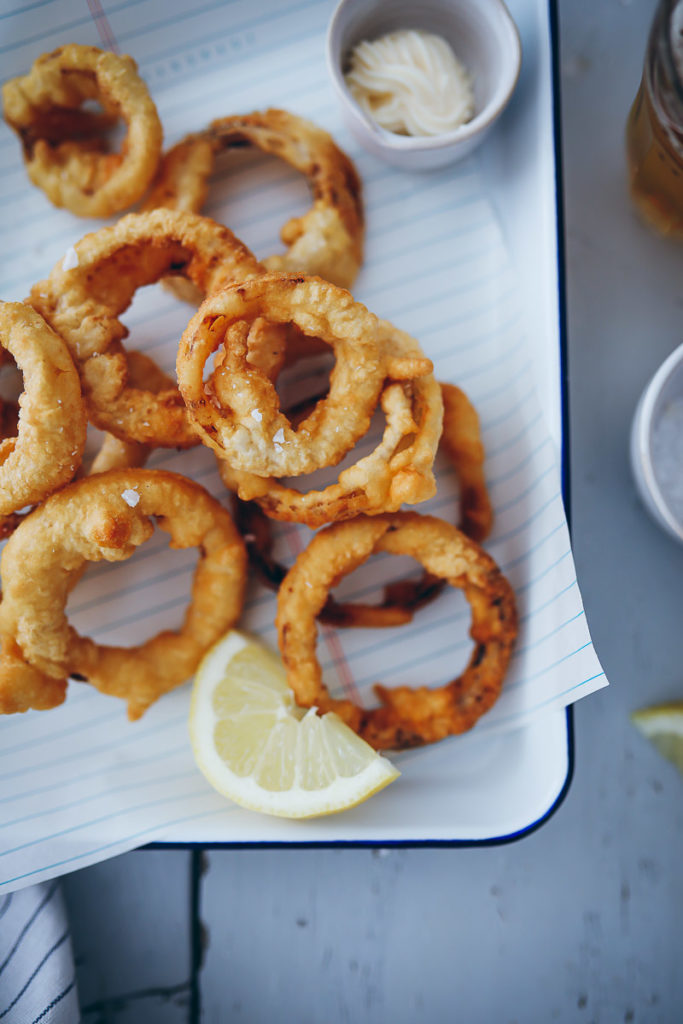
<point x="130" y="738"/>
<point x="129" y="765"/>
<point x="122" y="843"/>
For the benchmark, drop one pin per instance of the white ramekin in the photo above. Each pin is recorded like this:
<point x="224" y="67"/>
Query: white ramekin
<point x="483" y="36"/>
<point x="665" y="385"/>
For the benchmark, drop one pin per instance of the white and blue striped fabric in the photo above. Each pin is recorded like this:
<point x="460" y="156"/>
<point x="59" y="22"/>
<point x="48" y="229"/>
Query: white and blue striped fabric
<point x="37" y="972"/>
<point x="80" y="783"/>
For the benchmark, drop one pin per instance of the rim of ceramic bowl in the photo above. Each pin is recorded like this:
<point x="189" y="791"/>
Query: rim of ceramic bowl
<point x="642" y="436"/>
<point x="408" y="143"/>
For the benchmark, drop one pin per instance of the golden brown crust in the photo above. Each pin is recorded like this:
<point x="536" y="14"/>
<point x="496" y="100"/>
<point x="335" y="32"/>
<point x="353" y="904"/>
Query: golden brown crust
<point x="237" y="410"/>
<point x="84" y="303"/>
<point x="105" y="517"/>
<point x="398" y="471"/>
<point x="406" y="717"/>
<point x="114" y="453"/>
<point x="48" y="447"/>
<point x="327" y="241"/>
<point x="400" y="600"/>
<point x="461" y="441"/>
<point x="64" y="146"/>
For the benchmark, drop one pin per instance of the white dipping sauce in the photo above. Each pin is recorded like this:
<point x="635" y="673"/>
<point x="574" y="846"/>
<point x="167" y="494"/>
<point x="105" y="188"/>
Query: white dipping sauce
<point x="410" y="82"/>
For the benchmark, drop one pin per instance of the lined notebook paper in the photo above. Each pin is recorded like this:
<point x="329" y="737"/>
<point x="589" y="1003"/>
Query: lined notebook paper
<point x="80" y="783"/>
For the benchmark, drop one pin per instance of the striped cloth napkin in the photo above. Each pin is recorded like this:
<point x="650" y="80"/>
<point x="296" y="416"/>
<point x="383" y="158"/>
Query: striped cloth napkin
<point x="37" y="972"/>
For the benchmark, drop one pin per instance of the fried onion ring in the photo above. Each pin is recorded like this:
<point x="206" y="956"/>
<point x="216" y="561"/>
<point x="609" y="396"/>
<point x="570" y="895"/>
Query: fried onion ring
<point x="328" y="240"/>
<point x="406" y="717"/>
<point x="398" y="471"/>
<point x="237" y="410"/>
<point x="97" y="519"/>
<point x="84" y="303"/>
<point x="48" y="447"/>
<point x="400" y="600"/>
<point x="64" y="146"/>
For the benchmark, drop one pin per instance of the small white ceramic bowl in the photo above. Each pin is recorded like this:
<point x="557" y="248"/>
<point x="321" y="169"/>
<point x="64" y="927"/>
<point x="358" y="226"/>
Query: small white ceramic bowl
<point x="483" y="36"/>
<point x="665" y="387"/>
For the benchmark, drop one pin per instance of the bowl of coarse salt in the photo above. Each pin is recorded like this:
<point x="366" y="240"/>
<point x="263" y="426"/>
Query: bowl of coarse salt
<point x="657" y="445"/>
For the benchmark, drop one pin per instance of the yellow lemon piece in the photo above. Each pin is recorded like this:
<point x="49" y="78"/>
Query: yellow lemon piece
<point x="663" y="726"/>
<point x="257" y="747"/>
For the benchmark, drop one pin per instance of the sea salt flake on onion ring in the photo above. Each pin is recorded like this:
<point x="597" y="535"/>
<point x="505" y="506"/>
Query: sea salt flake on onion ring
<point x="222" y="407"/>
<point x="461" y="441"/>
<point x="398" y="471"/>
<point x="84" y="305"/>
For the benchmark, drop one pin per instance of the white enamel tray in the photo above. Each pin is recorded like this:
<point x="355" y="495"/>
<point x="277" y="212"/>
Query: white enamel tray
<point x="468" y="260"/>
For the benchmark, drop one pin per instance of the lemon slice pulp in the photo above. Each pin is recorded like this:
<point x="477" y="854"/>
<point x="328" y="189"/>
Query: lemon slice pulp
<point x="663" y="726"/>
<point x="257" y="747"/>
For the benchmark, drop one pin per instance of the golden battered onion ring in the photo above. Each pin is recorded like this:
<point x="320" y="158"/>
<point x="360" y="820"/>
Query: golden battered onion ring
<point x="48" y="447"/>
<point x="407" y="717"/>
<point x="328" y="240"/>
<point x="237" y="410"/>
<point x="84" y="303"/>
<point x="400" y="600"/>
<point x="398" y="471"/>
<point x="95" y="519"/>
<point x="64" y="146"/>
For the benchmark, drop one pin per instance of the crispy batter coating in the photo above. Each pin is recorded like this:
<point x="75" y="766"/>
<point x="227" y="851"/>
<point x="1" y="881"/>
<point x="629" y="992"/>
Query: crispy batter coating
<point x="406" y="717"/>
<point x="399" y="470"/>
<point x="98" y="518"/>
<point x="47" y="449"/>
<point x="461" y="441"/>
<point x="84" y="303"/>
<point x="399" y="603"/>
<point x="328" y="240"/>
<point x="65" y="146"/>
<point x="237" y="410"/>
<point x="114" y="453"/>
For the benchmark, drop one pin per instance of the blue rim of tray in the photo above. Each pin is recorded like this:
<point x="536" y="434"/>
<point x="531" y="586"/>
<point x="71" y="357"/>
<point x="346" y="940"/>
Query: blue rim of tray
<point x="557" y="802"/>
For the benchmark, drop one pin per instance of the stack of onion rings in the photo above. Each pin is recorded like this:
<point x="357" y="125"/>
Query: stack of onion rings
<point x="255" y="319"/>
<point x="84" y="303"/>
<point x="237" y="411"/>
<point x="461" y="441"/>
<point x="398" y="470"/>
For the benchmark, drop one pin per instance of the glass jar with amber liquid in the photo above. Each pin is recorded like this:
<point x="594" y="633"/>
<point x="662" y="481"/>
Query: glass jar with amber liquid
<point x="654" y="131"/>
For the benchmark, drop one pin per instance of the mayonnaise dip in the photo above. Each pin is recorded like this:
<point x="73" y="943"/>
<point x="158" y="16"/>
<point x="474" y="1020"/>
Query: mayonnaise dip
<point x="410" y="82"/>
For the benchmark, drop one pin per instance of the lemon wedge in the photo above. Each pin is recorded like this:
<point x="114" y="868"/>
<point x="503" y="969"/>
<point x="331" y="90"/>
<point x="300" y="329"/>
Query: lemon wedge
<point x="257" y="747"/>
<point x="663" y="726"/>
